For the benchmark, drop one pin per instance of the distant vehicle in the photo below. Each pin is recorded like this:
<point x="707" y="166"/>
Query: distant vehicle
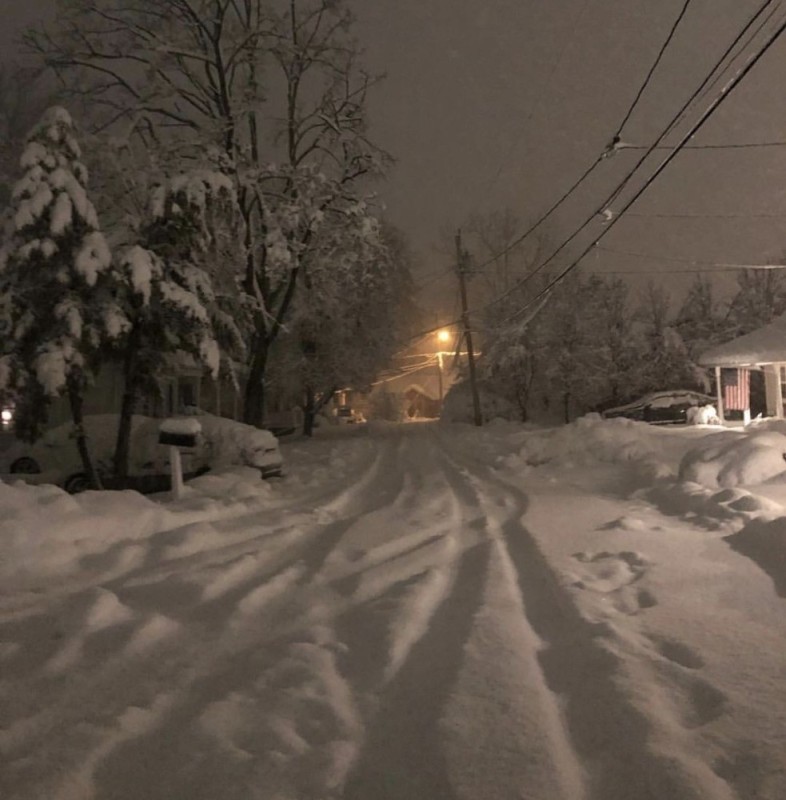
<point x="661" y="408"/>
<point x="345" y="415"/>
<point x="54" y="457"/>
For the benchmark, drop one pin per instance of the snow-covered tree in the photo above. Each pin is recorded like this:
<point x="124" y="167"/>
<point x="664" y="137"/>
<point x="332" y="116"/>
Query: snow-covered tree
<point x="618" y="360"/>
<point x="170" y="281"/>
<point x="701" y="320"/>
<point x="23" y="99"/>
<point x="59" y="313"/>
<point x="350" y="313"/>
<point x="665" y="358"/>
<point x="760" y="297"/>
<point x="274" y="85"/>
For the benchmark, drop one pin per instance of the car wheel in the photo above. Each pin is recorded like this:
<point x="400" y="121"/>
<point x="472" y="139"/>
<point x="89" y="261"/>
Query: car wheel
<point x="25" y="466"/>
<point x="77" y="483"/>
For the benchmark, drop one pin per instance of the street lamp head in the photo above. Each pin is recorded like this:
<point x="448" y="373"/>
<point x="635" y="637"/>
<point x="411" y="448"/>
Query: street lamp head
<point x="443" y="336"/>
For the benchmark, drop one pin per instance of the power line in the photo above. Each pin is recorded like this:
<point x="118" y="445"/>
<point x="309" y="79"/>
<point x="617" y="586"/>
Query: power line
<point x="717" y="70"/>
<point x="725" y="93"/>
<point x="710" y="82"/>
<point x="609" y="150"/>
<point x="696" y="271"/>
<point x="621" y="185"/>
<point x="676" y="215"/>
<point x="654" y="65"/>
<point x="731" y="146"/>
<point x="693" y="261"/>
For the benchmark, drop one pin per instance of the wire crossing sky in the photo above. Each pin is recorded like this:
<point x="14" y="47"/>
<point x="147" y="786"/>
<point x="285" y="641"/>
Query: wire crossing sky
<point x="505" y="103"/>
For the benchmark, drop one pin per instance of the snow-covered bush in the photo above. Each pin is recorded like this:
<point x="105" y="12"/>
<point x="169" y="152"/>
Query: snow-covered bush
<point x="702" y="415"/>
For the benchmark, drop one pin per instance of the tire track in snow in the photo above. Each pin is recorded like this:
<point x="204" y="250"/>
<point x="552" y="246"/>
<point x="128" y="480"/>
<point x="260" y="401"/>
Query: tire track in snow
<point x="609" y="734"/>
<point x="533" y="750"/>
<point x="203" y="645"/>
<point x="422" y="733"/>
<point x="407" y="679"/>
<point x="402" y="758"/>
<point x="287" y="618"/>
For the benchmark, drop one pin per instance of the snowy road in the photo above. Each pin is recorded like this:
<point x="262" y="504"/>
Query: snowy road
<point x="394" y="628"/>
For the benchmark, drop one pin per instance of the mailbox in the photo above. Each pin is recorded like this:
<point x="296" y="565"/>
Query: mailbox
<point x="175" y="439"/>
<point x="177" y="434"/>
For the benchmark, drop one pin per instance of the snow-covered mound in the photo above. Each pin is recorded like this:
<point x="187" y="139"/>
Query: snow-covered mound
<point x="746" y="459"/>
<point x="46" y="532"/>
<point x="764" y="541"/>
<point x="235" y="444"/>
<point x="591" y="439"/>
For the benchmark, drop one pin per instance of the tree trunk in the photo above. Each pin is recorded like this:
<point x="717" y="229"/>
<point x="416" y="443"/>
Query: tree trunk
<point x="309" y="412"/>
<point x="128" y="406"/>
<point x="76" y="402"/>
<point x="566" y="406"/>
<point x="254" y="398"/>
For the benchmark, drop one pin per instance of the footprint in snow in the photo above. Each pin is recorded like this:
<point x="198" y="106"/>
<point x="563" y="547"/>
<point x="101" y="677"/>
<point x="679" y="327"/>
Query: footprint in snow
<point x="679" y="653"/>
<point x="699" y="702"/>
<point x="613" y="575"/>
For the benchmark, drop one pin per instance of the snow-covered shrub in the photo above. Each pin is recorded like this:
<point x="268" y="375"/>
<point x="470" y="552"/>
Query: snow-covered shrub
<point x="702" y="415"/>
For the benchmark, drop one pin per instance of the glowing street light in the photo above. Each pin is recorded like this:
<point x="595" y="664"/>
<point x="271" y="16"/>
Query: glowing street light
<point x="443" y="336"/>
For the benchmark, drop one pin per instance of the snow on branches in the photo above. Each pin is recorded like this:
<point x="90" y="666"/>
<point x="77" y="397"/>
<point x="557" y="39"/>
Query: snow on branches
<point x="55" y="272"/>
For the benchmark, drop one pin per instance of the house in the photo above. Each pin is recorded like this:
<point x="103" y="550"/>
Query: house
<point x="185" y="385"/>
<point x="420" y="376"/>
<point x="763" y="352"/>
<point x="421" y="403"/>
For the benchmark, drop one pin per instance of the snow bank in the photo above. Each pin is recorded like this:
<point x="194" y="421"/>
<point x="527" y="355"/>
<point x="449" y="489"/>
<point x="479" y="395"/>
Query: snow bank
<point x="591" y="439"/>
<point x="46" y="532"/>
<point x="748" y="459"/>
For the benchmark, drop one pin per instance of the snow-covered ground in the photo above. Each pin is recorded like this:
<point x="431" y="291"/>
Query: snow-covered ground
<point x="414" y="612"/>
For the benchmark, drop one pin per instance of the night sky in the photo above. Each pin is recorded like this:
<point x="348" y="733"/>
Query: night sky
<point x="505" y="103"/>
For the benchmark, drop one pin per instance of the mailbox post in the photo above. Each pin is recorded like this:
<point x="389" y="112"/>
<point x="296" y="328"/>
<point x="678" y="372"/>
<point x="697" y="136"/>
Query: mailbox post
<point x="178" y="433"/>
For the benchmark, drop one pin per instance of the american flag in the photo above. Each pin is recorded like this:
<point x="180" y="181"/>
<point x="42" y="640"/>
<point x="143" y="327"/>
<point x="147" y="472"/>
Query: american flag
<point x="736" y="385"/>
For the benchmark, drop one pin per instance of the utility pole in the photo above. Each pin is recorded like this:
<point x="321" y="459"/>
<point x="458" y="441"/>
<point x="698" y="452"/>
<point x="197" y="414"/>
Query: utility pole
<point x="461" y="268"/>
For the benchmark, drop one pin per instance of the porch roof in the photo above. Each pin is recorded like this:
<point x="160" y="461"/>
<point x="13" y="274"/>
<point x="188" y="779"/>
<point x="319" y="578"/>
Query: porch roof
<point x="765" y="345"/>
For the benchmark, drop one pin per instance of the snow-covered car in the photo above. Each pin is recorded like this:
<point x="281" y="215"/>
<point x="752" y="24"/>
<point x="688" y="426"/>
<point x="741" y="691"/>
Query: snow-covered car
<point x="54" y="457"/>
<point x="661" y="408"/>
<point x="235" y="443"/>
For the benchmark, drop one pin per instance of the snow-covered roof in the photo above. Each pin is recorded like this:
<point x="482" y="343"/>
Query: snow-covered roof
<point x="766" y="345"/>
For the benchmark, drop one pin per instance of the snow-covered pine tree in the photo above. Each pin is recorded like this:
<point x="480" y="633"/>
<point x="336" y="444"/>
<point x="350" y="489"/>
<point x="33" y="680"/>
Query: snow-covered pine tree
<point x="169" y="279"/>
<point x="56" y="286"/>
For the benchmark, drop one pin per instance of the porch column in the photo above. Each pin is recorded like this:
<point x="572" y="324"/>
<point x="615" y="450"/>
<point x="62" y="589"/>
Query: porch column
<point x="772" y="390"/>
<point x="719" y="395"/>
